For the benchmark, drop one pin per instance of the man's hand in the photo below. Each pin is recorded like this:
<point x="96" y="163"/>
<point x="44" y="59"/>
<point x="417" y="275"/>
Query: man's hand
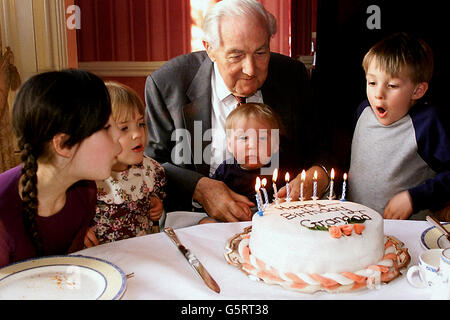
<point x="294" y="185"/>
<point x="220" y="202"/>
<point x="399" y="207"/>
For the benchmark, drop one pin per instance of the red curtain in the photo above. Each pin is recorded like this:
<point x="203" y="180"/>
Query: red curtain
<point x="303" y="22"/>
<point x="133" y="30"/>
<point x="151" y="30"/>
<point x="281" y="10"/>
<point x="144" y="30"/>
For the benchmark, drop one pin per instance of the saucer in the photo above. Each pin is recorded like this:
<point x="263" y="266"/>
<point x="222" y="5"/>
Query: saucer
<point x="432" y="238"/>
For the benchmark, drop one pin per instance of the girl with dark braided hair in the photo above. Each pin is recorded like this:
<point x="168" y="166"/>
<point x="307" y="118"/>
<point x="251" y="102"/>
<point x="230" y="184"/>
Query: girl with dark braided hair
<point x="67" y="138"/>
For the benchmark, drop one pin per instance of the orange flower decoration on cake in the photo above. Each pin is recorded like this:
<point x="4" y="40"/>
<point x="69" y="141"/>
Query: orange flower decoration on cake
<point x="335" y="232"/>
<point x="346" y="229"/>
<point x="359" y="228"/>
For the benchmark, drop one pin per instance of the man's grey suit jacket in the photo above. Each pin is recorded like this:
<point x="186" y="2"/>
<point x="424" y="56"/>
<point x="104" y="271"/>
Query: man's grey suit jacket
<point x="179" y="94"/>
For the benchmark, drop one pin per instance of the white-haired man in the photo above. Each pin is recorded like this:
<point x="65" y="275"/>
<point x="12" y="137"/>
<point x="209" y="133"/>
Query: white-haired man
<point x="189" y="98"/>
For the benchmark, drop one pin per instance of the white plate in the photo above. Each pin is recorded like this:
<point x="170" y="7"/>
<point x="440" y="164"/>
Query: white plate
<point x="70" y="277"/>
<point x="432" y="238"/>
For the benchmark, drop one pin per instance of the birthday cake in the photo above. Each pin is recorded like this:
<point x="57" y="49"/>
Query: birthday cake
<point x="320" y="245"/>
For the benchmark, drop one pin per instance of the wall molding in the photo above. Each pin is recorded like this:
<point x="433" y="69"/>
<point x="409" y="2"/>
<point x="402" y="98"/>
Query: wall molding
<point x="121" y="68"/>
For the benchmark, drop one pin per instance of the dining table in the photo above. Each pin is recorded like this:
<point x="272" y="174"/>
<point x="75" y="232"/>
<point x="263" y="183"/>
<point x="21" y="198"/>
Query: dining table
<point x="161" y="272"/>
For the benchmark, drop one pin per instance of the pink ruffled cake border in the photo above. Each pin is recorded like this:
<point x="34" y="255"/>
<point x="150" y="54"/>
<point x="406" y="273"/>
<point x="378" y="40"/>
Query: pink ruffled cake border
<point x="394" y="261"/>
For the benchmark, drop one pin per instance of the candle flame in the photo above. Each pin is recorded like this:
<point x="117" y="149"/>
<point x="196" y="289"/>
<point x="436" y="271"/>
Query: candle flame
<point x="303" y="176"/>
<point x="275" y="175"/>
<point x="264" y="182"/>
<point x="258" y="184"/>
<point x="332" y="174"/>
<point x="315" y="174"/>
<point x="286" y="177"/>
<point x="345" y="176"/>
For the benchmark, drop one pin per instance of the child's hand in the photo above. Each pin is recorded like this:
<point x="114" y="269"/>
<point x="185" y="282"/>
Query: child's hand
<point x="399" y="207"/>
<point x="157" y="208"/>
<point x="90" y="240"/>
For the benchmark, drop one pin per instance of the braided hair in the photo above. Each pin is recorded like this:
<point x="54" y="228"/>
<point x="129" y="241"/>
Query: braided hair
<point x="71" y="101"/>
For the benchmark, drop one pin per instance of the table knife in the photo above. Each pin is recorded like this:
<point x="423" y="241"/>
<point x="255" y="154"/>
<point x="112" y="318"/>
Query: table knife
<point x="193" y="261"/>
<point x="435" y="222"/>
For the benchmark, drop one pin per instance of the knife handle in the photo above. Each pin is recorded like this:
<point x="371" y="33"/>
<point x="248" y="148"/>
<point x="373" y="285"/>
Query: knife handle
<point x="438" y="225"/>
<point x="172" y="235"/>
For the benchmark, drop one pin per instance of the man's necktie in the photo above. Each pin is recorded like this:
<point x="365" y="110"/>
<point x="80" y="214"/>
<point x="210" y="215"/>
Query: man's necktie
<point x="240" y="100"/>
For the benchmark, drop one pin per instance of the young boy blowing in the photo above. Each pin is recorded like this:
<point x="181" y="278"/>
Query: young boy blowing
<point x="400" y="158"/>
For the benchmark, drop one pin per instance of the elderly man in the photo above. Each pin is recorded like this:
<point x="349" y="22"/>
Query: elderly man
<point x="190" y="96"/>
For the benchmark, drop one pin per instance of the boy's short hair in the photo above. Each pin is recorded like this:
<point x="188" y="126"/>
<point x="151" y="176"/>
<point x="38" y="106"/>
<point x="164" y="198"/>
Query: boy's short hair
<point x="255" y="110"/>
<point x="124" y="101"/>
<point x="401" y="50"/>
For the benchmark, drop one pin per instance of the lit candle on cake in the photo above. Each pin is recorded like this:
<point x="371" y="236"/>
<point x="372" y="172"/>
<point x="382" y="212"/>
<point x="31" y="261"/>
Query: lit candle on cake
<point x="258" y="196"/>
<point x="274" y="180"/>
<point x="266" y="197"/>
<point x="286" y="178"/>
<point x="314" y="197"/>
<point x="331" y="197"/>
<point x="344" y="186"/>
<point x="302" y="177"/>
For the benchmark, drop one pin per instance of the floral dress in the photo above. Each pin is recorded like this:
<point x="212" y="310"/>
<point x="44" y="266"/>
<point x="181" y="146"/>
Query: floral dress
<point x="123" y="201"/>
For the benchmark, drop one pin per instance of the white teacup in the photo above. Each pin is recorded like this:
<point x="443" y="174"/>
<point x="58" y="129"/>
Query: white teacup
<point x="442" y="290"/>
<point x="427" y="269"/>
<point x="444" y="264"/>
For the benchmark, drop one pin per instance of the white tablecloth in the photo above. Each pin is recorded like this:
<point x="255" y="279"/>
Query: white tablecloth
<point x="162" y="272"/>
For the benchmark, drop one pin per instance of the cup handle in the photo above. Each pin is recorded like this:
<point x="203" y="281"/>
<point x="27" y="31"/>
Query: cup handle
<point x="413" y="270"/>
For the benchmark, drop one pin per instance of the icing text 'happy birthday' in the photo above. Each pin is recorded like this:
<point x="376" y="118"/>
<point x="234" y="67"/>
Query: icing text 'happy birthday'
<point x="312" y="215"/>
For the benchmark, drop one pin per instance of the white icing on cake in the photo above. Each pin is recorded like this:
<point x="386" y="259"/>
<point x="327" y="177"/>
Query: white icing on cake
<point x="282" y="237"/>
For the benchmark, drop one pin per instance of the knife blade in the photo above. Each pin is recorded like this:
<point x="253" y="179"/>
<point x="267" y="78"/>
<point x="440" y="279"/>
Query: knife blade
<point x="193" y="261"/>
<point x="435" y="222"/>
